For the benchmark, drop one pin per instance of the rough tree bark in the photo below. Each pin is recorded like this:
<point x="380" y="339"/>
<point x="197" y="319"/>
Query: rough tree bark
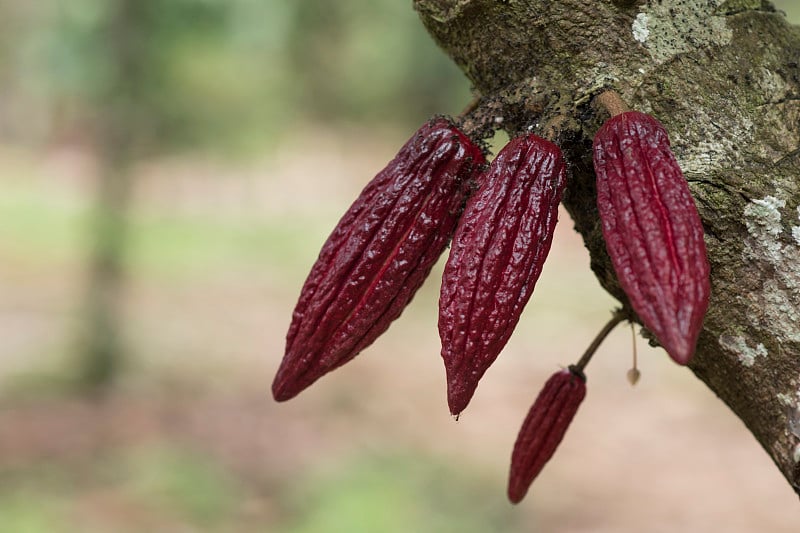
<point x="723" y="77"/>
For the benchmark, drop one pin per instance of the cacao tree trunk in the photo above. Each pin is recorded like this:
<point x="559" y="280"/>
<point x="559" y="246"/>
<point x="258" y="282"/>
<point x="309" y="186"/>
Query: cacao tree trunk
<point x="724" y="78"/>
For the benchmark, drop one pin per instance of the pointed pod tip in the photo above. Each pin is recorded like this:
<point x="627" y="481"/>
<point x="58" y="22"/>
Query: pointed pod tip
<point x="682" y="358"/>
<point x="456" y="405"/>
<point x="680" y="350"/>
<point x="458" y="396"/>
<point x="281" y="391"/>
<point x="456" y="401"/>
<point x="280" y="395"/>
<point x="515" y="495"/>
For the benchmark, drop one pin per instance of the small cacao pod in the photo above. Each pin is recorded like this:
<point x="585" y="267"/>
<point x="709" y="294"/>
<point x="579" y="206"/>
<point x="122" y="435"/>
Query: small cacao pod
<point x="498" y="251"/>
<point x="652" y="230"/>
<point x="379" y="254"/>
<point x="544" y="428"/>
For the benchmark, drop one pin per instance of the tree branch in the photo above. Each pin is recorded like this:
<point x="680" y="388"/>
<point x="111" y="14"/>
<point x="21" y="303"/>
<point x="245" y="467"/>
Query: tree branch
<point x="723" y="77"/>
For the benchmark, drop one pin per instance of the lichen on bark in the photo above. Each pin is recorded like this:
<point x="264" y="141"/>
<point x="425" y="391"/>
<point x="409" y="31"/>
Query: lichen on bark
<point x="724" y="78"/>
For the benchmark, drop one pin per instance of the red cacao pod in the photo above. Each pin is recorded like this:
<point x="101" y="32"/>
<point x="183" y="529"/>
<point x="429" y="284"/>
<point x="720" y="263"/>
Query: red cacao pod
<point x="379" y="254"/>
<point x="652" y="230"/>
<point x="498" y="251"/>
<point x="544" y="428"/>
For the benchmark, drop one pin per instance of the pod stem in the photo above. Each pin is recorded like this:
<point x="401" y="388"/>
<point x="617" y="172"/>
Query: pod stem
<point x="475" y="123"/>
<point x="619" y="316"/>
<point x="552" y="129"/>
<point x="612" y="102"/>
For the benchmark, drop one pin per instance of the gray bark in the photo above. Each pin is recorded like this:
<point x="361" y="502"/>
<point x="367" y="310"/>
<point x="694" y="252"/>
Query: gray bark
<point x="723" y="77"/>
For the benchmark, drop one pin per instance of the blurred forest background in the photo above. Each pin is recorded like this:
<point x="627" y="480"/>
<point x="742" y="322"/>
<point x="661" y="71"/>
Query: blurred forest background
<point x="168" y="171"/>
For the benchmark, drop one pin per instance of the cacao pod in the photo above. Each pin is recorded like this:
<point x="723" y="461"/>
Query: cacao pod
<point x="379" y="254"/>
<point x="544" y="428"/>
<point x="653" y="233"/>
<point x="498" y="251"/>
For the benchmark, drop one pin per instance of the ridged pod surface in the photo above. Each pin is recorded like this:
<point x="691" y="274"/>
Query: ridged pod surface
<point x="379" y="254"/>
<point x="498" y="251"/>
<point x="652" y="230"/>
<point x="544" y="428"/>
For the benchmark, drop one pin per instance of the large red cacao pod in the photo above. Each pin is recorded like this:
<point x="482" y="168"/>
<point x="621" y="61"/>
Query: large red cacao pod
<point x="379" y="254"/>
<point x="652" y="230"/>
<point x="544" y="428"/>
<point x="498" y="251"/>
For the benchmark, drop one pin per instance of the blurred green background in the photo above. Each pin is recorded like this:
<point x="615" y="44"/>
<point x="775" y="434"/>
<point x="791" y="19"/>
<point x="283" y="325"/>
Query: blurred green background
<point x="168" y="171"/>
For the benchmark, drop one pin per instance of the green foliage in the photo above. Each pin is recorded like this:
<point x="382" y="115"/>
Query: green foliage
<point x="186" y="247"/>
<point x="27" y="513"/>
<point x="371" y="59"/>
<point x="222" y="72"/>
<point x="38" y="229"/>
<point x="399" y="494"/>
<point x="33" y="225"/>
<point x="187" y="484"/>
<point x="172" y="487"/>
<point x="124" y="491"/>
